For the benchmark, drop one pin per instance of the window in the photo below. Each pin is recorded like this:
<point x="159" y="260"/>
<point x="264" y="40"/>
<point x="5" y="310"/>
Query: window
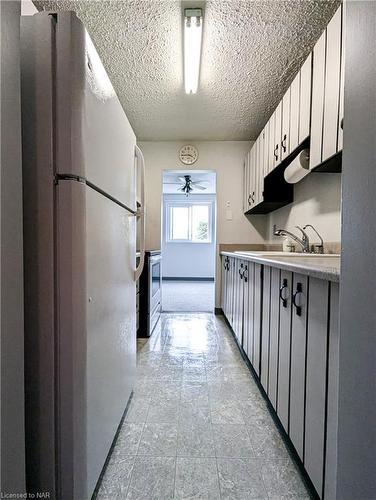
<point x="189" y="222"/>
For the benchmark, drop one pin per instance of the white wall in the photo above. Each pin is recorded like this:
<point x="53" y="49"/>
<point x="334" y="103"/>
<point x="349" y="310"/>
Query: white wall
<point x="11" y="290"/>
<point x="317" y="201"/>
<point x="224" y="157"/>
<point x="188" y="260"/>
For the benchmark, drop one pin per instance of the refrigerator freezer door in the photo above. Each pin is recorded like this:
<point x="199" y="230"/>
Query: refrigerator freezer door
<point x="94" y="137"/>
<point x="111" y="324"/>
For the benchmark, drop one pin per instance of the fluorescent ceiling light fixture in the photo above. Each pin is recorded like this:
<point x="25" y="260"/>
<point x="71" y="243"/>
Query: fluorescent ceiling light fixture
<point x="192" y="49"/>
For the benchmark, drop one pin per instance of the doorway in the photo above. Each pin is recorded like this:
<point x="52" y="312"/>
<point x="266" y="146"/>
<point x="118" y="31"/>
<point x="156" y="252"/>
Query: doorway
<point x="188" y="240"/>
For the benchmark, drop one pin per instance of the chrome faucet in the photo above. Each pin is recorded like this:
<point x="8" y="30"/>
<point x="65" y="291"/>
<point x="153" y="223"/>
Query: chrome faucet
<point x="303" y="242"/>
<point x="316" y="248"/>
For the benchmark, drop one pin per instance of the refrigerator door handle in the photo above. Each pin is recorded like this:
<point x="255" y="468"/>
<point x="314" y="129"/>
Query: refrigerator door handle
<point x="141" y="211"/>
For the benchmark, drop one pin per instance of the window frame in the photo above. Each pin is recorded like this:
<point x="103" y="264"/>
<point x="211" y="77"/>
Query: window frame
<point x="189" y="204"/>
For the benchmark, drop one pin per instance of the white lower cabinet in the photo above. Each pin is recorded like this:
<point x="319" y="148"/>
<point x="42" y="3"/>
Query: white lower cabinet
<point x="274" y="335"/>
<point x="284" y="348"/>
<point x="238" y="299"/>
<point x="332" y="397"/>
<point x="265" y="334"/>
<point x="316" y="362"/>
<point x="248" y="309"/>
<point x="287" y="325"/>
<point x="230" y="291"/>
<point x="224" y="286"/>
<point x="257" y="317"/>
<point x="298" y="351"/>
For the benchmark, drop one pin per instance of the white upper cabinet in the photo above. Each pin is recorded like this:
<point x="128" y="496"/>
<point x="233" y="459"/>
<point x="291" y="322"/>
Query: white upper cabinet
<point x="342" y="82"/>
<point x="271" y="143"/>
<point x="285" y="135"/>
<point x="245" y="186"/>
<point x="265" y="136"/>
<point x="332" y="86"/>
<point x="259" y="170"/>
<point x="305" y="99"/>
<point x="277" y="135"/>
<point x="327" y="93"/>
<point x="311" y="109"/>
<point x="294" y="112"/>
<point x="318" y="85"/>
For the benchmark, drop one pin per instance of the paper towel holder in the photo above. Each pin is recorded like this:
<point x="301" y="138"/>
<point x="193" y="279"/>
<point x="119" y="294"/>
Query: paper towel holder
<point x="298" y="168"/>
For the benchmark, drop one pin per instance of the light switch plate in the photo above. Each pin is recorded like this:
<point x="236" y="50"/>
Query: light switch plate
<point x="228" y="214"/>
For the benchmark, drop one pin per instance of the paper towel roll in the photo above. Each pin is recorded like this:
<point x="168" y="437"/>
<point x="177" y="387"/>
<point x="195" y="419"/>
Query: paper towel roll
<point x="298" y="168"/>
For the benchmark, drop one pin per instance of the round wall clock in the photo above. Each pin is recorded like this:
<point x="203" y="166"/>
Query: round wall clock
<point x="188" y="154"/>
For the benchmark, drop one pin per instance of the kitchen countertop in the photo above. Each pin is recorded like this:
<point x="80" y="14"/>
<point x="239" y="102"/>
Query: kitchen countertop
<point x="325" y="267"/>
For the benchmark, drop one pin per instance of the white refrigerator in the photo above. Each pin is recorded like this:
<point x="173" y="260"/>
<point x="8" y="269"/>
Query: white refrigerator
<point x="80" y="164"/>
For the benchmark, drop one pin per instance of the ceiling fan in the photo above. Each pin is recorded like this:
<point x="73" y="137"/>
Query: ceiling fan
<point x="188" y="184"/>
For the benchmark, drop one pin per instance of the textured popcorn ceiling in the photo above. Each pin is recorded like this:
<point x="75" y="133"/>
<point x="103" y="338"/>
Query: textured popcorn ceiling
<point x="251" y="51"/>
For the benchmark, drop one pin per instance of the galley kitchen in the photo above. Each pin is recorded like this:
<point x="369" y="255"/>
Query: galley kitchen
<point x="187" y="249"/>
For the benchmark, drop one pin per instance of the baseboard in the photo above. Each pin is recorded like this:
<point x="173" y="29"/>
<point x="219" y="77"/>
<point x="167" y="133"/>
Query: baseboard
<point x="218" y="311"/>
<point x="186" y="279"/>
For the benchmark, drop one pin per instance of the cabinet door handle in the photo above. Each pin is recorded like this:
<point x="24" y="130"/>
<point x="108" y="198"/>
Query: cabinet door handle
<point x="241" y="273"/>
<point x="342" y="123"/>
<point x="283" y="143"/>
<point x="299" y="290"/>
<point x="276" y="152"/>
<point x="245" y="274"/>
<point x="284" y="285"/>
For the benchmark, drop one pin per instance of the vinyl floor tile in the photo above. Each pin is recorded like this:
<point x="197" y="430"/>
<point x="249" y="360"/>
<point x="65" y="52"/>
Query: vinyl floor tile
<point x="241" y="479"/>
<point x="195" y="439"/>
<point x="197" y="426"/>
<point x="196" y="478"/>
<point x="158" y="440"/>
